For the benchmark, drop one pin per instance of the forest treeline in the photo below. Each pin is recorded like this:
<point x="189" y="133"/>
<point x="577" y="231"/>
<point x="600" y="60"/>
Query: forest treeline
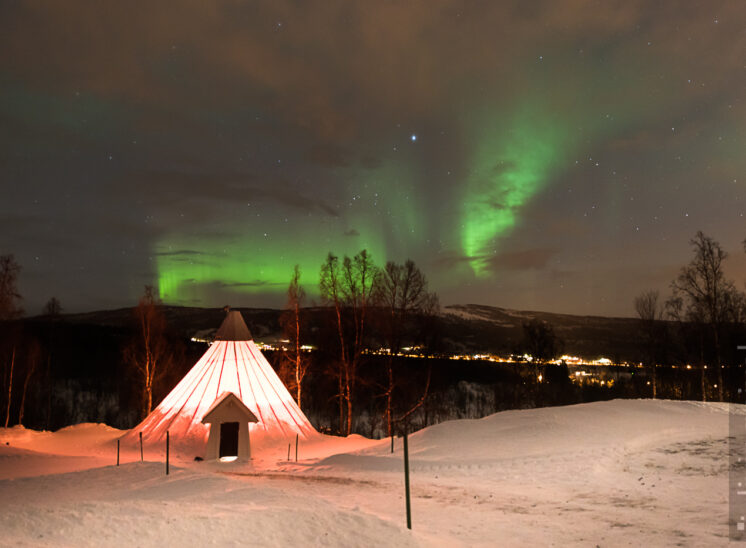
<point x="56" y="373"/>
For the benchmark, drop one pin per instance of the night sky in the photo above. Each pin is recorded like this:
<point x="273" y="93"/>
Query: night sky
<point x="539" y="155"/>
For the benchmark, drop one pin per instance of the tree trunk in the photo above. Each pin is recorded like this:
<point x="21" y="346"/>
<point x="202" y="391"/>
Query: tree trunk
<point x="420" y="403"/>
<point x="341" y="336"/>
<point x="148" y="403"/>
<point x="10" y="386"/>
<point x="340" y="397"/>
<point x="49" y="391"/>
<point x="23" y="402"/>
<point x="351" y="380"/>
<point x="297" y="355"/>
<point x="704" y="389"/>
<point x="348" y="400"/>
<point x="702" y="366"/>
<point x="297" y="385"/>
<point x="343" y="367"/>
<point x="387" y="414"/>
<point x="146" y="399"/>
<point x="29" y="372"/>
<point x="718" y="366"/>
<point x="349" y="416"/>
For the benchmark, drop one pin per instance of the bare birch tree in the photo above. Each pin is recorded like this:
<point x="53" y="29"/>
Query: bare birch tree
<point x="705" y="292"/>
<point x="347" y="287"/>
<point x="9" y="297"/>
<point x="331" y="295"/>
<point x="291" y="323"/>
<point x="9" y="310"/>
<point x="148" y="352"/>
<point x="650" y="311"/>
<point x="53" y="308"/>
<point x="33" y="357"/>
<point x="401" y="294"/>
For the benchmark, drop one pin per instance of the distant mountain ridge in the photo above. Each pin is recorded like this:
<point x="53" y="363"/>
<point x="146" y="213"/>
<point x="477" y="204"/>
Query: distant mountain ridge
<point x="466" y="328"/>
<point x="501" y="330"/>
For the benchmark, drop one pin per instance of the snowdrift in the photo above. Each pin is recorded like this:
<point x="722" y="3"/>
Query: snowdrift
<point x="637" y="472"/>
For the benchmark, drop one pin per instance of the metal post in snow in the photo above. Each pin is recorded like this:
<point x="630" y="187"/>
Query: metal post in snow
<point x="289" y="444"/>
<point x="117" y="452"/>
<point x="141" y="459"/>
<point x="406" y="482"/>
<point x="296" y="448"/>
<point x="392" y="442"/>
<point x="167" y="444"/>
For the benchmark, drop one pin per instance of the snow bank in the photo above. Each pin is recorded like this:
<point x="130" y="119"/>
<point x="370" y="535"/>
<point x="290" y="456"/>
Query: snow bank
<point x="632" y="472"/>
<point x="80" y="439"/>
<point x="616" y="425"/>
<point x="136" y="505"/>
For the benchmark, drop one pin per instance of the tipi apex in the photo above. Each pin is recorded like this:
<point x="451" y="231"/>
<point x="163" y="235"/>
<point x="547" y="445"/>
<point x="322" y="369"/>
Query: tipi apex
<point x="233" y="327"/>
<point x="233" y="363"/>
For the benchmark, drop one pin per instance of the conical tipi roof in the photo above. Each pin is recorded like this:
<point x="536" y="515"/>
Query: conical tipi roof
<point x="233" y="328"/>
<point x="233" y="363"/>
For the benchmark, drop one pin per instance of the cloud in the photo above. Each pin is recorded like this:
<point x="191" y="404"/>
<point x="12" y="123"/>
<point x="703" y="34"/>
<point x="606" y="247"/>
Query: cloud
<point x="126" y="125"/>
<point x="179" y="252"/>
<point x="451" y="259"/>
<point x="340" y="63"/>
<point x="351" y="232"/>
<point x="529" y="259"/>
<point x="253" y="283"/>
<point x="370" y="162"/>
<point x="188" y="260"/>
<point x="165" y="187"/>
<point x="328" y="155"/>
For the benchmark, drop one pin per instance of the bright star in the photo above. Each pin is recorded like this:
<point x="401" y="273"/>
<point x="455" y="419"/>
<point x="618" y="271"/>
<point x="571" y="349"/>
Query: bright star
<point x="413" y="137"/>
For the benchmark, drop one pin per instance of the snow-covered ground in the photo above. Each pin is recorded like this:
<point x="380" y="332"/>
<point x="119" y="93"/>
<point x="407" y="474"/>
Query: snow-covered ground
<point x="619" y="473"/>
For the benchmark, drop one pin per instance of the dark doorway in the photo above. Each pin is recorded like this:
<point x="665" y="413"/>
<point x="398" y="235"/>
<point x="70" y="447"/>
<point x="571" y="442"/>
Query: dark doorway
<point x="228" y="439"/>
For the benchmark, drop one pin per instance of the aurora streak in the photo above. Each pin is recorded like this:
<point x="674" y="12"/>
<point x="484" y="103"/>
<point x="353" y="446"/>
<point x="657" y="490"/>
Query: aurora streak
<point x="508" y="167"/>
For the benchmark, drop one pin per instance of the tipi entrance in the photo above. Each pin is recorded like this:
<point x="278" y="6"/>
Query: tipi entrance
<point x="228" y="439"/>
<point x="229" y="422"/>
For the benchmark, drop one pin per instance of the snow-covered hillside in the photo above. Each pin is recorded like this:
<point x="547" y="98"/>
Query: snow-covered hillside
<point x="613" y="473"/>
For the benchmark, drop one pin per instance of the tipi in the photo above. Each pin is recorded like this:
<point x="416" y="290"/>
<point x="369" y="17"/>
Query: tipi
<point x="233" y="363"/>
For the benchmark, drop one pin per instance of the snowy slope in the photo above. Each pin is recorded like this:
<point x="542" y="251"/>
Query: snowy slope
<point x="624" y="472"/>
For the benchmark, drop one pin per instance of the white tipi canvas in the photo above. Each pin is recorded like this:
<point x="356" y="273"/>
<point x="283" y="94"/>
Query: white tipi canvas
<point x="233" y="363"/>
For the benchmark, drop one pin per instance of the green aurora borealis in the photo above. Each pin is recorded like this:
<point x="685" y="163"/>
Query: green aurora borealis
<point x="250" y="264"/>
<point x="519" y="152"/>
<point x="258" y="259"/>
<point x="510" y="164"/>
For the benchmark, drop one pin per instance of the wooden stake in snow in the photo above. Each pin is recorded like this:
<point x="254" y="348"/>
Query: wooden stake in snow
<point x="296" y="448"/>
<point x="289" y="444"/>
<point x="117" y="452"/>
<point x="406" y="482"/>
<point x="392" y="443"/>
<point x="167" y="444"/>
<point x="141" y="459"/>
